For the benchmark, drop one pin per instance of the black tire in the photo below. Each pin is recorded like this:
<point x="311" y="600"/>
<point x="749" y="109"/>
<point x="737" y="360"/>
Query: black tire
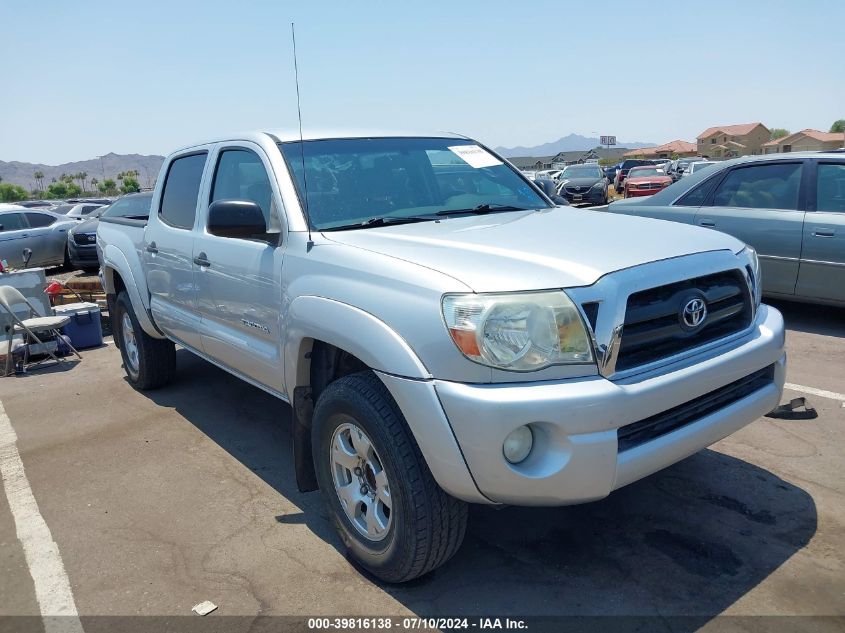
<point x="67" y="264"/>
<point x="156" y="358"/>
<point x="427" y="525"/>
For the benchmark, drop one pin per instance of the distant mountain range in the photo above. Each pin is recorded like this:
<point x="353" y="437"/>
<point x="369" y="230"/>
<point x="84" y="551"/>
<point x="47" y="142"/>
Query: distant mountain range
<point x="570" y="143"/>
<point x="108" y="166"/>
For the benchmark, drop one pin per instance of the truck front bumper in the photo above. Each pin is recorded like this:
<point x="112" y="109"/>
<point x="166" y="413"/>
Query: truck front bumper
<point x="576" y="455"/>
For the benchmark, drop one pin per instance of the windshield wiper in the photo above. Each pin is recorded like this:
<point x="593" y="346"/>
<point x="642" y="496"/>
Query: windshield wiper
<point x="381" y="221"/>
<point x="482" y="208"/>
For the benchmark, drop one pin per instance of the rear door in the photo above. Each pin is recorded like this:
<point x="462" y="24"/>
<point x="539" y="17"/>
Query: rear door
<point x="168" y="259"/>
<point x="14" y="237"/>
<point x="822" y="271"/>
<point x="46" y="241"/>
<point x="239" y="288"/>
<point x="762" y="204"/>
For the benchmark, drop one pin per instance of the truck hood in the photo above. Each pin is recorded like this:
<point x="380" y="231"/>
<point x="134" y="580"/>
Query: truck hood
<point x="532" y="250"/>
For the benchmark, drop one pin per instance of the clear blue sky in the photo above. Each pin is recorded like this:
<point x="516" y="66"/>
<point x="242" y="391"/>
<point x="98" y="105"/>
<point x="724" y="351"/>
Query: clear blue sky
<point x="86" y="78"/>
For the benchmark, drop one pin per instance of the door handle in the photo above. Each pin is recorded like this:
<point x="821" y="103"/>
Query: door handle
<point x="152" y="248"/>
<point x="202" y="260"/>
<point x="824" y="232"/>
<point x="706" y="223"/>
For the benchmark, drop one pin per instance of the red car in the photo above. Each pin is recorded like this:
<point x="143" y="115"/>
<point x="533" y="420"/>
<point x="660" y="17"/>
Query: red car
<point x="645" y="181"/>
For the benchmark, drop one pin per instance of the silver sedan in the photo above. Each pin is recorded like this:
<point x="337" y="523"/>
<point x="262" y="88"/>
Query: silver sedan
<point x="42" y="232"/>
<point x="789" y="207"/>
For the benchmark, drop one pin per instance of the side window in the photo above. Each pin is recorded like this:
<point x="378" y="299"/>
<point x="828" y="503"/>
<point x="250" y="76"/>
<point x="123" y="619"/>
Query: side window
<point x="181" y="191"/>
<point x="240" y="175"/>
<point x="697" y="196"/>
<point x="12" y="222"/>
<point x="830" y="188"/>
<point x="772" y="186"/>
<point x="37" y="220"/>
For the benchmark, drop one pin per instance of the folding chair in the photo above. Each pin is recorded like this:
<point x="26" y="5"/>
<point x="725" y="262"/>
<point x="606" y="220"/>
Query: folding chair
<point x="10" y="297"/>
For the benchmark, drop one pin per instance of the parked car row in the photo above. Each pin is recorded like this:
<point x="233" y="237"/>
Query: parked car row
<point x="60" y="233"/>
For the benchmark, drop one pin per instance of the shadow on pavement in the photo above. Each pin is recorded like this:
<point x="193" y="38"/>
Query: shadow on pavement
<point x="810" y="318"/>
<point x="690" y="540"/>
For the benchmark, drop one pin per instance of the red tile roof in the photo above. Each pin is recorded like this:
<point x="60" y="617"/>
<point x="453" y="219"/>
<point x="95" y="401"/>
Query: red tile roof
<point x="672" y="147"/>
<point x="730" y="130"/>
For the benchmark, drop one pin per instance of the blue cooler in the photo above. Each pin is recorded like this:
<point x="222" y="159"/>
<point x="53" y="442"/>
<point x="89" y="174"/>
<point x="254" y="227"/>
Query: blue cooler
<point x="84" y="329"/>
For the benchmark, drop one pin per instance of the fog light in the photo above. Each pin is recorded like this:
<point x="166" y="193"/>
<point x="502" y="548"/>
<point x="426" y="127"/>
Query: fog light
<point x="518" y="444"/>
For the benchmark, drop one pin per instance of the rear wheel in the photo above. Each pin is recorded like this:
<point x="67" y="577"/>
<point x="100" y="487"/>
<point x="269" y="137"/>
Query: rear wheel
<point x="392" y="516"/>
<point x="149" y="362"/>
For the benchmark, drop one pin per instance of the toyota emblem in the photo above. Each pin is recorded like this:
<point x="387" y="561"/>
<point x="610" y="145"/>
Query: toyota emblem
<point x="694" y="313"/>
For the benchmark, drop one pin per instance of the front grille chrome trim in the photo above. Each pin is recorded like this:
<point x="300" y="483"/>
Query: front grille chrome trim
<point x="611" y="293"/>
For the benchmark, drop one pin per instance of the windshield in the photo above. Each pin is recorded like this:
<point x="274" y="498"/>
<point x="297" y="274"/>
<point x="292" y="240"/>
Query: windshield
<point x="639" y="172"/>
<point x="130" y="207"/>
<point x="350" y="181"/>
<point x="693" y="167"/>
<point x="582" y="171"/>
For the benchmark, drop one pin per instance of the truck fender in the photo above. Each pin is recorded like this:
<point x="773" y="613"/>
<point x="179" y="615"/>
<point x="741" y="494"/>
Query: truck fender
<point x="357" y="332"/>
<point x="115" y="263"/>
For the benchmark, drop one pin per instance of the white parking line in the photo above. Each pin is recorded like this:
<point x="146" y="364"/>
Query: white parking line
<point x="52" y="586"/>
<point x="821" y="393"/>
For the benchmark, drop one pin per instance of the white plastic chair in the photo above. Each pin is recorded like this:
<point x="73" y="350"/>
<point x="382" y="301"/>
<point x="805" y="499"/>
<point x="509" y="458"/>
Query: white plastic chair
<point x="10" y="297"/>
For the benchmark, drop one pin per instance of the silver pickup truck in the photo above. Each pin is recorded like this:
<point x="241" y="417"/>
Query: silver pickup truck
<point x="443" y="331"/>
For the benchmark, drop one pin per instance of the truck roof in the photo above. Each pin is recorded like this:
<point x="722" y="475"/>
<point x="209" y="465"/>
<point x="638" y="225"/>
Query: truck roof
<point x="285" y="135"/>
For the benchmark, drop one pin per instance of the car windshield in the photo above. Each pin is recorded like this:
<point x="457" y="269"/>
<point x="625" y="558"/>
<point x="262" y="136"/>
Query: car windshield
<point x="137" y="206"/>
<point x="639" y="172"/>
<point x="352" y="181"/>
<point x="582" y="171"/>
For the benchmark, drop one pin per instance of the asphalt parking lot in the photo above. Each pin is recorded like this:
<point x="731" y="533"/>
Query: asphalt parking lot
<point x="159" y="501"/>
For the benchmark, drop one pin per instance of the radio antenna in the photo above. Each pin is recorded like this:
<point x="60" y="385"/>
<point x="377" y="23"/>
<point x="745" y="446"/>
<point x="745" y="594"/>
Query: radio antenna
<point x="301" y="143"/>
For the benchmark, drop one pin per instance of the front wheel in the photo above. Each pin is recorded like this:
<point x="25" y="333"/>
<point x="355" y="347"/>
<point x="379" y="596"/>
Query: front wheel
<point x="149" y="362"/>
<point x="392" y="516"/>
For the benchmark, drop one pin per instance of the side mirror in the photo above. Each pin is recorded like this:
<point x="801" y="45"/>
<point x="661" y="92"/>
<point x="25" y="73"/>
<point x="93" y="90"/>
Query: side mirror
<point x="546" y="186"/>
<point x="241" y="219"/>
<point x="560" y="200"/>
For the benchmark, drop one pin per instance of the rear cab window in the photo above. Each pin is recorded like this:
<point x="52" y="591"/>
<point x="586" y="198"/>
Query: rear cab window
<point x="179" y="199"/>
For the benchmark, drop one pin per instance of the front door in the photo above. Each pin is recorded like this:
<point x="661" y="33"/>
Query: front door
<point x="822" y="271"/>
<point x="168" y="258"/>
<point x="14" y="237"/>
<point x="761" y="204"/>
<point x="239" y="290"/>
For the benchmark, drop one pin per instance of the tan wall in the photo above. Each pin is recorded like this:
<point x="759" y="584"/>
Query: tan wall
<point x="803" y="143"/>
<point x="753" y="142"/>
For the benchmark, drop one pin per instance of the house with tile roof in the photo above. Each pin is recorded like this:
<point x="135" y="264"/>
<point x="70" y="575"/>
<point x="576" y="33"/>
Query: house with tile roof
<point x="677" y="148"/>
<point x="808" y="140"/>
<point x="727" y="141"/>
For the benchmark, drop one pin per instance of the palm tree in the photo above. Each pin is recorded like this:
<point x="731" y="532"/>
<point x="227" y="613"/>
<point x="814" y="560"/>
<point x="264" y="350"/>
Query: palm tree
<point x="39" y="178"/>
<point x="94" y="183"/>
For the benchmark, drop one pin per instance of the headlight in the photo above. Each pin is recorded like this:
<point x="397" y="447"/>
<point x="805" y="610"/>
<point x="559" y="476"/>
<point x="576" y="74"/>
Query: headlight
<point x="598" y="185"/>
<point x="754" y="271"/>
<point x="519" y="332"/>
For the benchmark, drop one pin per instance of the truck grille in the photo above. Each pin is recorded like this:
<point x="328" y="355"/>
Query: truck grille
<point x="637" y="433"/>
<point x="83" y="239"/>
<point x="655" y="325"/>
